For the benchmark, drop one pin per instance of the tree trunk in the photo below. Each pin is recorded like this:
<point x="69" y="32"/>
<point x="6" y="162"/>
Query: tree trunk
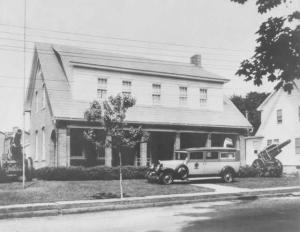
<point x="121" y="186"/>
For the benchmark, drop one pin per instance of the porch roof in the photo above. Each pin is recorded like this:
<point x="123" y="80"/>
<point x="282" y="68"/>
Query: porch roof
<point x="230" y="117"/>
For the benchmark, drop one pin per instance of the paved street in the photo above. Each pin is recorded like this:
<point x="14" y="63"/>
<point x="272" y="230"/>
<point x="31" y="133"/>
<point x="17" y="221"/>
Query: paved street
<point x="277" y="214"/>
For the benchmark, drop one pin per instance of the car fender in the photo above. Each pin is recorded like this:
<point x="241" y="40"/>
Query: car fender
<point x="168" y="170"/>
<point x="227" y="167"/>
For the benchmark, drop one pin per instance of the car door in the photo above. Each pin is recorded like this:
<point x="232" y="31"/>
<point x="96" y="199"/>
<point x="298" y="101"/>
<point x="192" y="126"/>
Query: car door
<point x="212" y="163"/>
<point x="196" y="163"/>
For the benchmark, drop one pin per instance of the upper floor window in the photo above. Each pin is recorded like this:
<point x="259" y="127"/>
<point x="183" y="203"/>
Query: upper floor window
<point x="269" y="142"/>
<point x="43" y="144"/>
<point x="276" y="141"/>
<point x="44" y="97"/>
<point x="203" y="96"/>
<point x="36" y="101"/>
<point x="101" y="88"/>
<point x="182" y="95"/>
<point x="297" y="146"/>
<point x="156" y="93"/>
<point x="36" y="152"/>
<point x="126" y="85"/>
<point x="279" y="116"/>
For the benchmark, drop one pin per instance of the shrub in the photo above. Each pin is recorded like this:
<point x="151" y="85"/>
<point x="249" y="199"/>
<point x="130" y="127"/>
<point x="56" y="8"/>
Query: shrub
<point x="3" y="177"/>
<point x="91" y="173"/>
<point x="247" y="171"/>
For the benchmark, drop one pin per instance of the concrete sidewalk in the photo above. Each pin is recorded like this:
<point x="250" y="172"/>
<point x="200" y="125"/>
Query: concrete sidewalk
<point x="82" y="206"/>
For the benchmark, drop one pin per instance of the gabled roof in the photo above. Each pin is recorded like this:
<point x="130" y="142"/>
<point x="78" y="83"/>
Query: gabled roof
<point x="276" y="92"/>
<point x="56" y="64"/>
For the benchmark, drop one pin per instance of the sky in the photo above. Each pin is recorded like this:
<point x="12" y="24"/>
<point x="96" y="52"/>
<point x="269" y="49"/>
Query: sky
<point x="221" y="31"/>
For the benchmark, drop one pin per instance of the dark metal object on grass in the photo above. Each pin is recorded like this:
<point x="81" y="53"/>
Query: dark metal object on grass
<point x="267" y="162"/>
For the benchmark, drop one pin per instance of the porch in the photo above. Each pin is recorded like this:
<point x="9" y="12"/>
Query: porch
<point x="160" y="146"/>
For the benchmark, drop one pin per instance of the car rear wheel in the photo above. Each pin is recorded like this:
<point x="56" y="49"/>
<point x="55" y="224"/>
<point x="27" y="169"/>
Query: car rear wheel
<point x="166" y="178"/>
<point x="228" y="176"/>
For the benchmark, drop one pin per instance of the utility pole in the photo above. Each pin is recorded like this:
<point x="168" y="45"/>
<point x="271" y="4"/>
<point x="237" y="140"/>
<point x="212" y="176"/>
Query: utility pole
<point x="24" y="96"/>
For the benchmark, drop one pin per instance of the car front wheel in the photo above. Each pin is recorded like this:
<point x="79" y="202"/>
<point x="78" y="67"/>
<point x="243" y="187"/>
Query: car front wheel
<point x="228" y="176"/>
<point x="166" y="178"/>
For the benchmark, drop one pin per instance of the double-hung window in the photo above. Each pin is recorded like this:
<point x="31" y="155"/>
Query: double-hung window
<point x="44" y="97"/>
<point x="203" y="97"/>
<point x="43" y="144"/>
<point x="36" y="101"/>
<point x="36" y="152"/>
<point x="297" y="146"/>
<point x="269" y="142"/>
<point x="156" y="93"/>
<point x="126" y="85"/>
<point x="279" y="116"/>
<point x="102" y="89"/>
<point x="183" y="95"/>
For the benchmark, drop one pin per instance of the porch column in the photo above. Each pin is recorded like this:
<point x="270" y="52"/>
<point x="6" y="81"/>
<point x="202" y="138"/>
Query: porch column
<point x="241" y="145"/>
<point x="176" y="142"/>
<point x="68" y="147"/>
<point x="63" y="147"/>
<point x="108" y="153"/>
<point x="208" y="140"/>
<point x="143" y="154"/>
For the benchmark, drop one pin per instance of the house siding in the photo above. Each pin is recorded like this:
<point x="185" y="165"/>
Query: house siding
<point x="40" y="118"/>
<point x="84" y="88"/>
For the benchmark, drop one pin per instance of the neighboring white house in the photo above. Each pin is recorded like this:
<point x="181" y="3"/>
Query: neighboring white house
<point x="280" y="120"/>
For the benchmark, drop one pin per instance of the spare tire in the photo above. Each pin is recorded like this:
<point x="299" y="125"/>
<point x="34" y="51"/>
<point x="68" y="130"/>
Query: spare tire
<point x="182" y="172"/>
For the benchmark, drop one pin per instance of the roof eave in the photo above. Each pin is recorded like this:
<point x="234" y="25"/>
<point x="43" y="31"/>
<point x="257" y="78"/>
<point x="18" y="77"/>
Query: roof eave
<point x="152" y="73"/>
<point x="162" y="123"/>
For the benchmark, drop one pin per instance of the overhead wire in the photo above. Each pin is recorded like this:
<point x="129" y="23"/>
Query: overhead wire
<point x="124" y="39"/>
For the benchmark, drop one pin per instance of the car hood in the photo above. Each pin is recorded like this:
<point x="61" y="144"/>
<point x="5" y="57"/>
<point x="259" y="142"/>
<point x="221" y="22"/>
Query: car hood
<point x="171" y="163"/>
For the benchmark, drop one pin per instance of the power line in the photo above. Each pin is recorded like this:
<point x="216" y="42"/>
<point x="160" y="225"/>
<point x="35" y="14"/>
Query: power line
<point x="124" y="39"/>
<point x="113" y="58"/>
<point x="187" y="53"/>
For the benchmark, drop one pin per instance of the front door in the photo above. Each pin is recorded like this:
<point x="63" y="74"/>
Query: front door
<point x="196" y="163"/>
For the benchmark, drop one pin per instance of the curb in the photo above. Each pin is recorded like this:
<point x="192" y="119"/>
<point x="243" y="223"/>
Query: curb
<point x="88" y="206"/>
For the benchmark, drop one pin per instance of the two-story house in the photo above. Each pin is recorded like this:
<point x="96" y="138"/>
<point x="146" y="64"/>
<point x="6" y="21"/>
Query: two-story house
<point x="180" y="104"/>
<point x="280" y="121"/>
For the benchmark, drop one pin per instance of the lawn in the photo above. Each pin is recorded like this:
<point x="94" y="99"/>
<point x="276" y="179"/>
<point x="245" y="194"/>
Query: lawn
<point x="266" y="182"/>
<point x="51" y="191"/>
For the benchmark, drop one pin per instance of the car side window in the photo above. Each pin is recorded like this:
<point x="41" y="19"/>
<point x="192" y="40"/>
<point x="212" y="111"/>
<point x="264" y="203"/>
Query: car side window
<point x="196" y="155"/>
<point x="227" y="155"/>
<point x="212" y="155"/>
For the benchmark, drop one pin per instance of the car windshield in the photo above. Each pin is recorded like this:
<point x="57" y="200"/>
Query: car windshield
<point x="180" y="155"/>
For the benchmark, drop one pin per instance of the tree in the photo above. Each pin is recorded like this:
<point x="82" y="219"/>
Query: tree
<point x="111" y="114"/>
<point x="248" y="105"/>
<point x="277" y="54"/>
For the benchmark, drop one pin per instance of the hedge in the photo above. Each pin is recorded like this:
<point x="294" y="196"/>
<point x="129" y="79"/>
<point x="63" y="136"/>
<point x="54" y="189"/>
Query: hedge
<point x="247" y="171"/>
<point x="91" y="173"/>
